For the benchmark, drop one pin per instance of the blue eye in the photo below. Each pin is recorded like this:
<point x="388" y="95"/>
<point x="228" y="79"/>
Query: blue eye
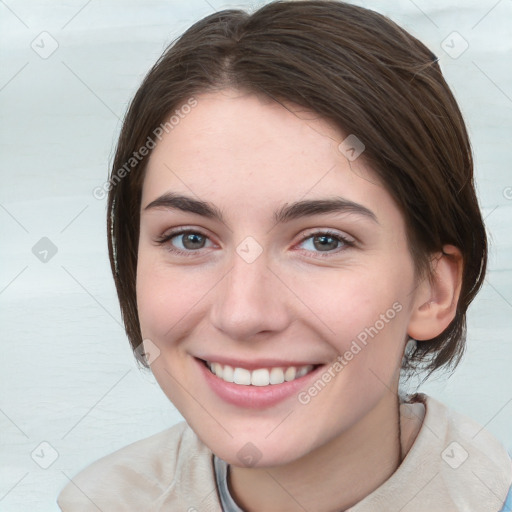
<point x="191" y="241"/>
<point x="325" y="242"/>
<point x="184" y="241"/>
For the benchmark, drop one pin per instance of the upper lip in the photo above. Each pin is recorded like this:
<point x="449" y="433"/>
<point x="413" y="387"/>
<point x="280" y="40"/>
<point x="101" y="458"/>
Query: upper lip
<point x="255" y="364"/>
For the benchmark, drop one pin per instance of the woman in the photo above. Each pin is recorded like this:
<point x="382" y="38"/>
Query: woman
<point x="292" y="222"/>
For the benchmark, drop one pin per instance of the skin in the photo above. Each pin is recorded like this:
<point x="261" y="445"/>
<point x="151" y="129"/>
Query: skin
<point x="249" y="156"/>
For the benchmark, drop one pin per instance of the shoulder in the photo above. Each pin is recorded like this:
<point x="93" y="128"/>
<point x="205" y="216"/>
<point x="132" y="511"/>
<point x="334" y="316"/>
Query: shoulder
<point x="452" y="464"/>
<point x="150" y="474"/>
<point x="474" y="469"/>
<point x="465" y="437"/>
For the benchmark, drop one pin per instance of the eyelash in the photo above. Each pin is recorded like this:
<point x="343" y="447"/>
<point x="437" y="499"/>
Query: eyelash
<point x="344" y="241"/>
<point x="163" y="240"/>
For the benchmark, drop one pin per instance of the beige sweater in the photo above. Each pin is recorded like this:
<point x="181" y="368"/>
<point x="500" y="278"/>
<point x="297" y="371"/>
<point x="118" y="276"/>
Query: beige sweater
<point x="453" y="465"/>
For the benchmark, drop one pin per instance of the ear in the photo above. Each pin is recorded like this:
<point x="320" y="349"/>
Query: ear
<point x="437" y="296"/>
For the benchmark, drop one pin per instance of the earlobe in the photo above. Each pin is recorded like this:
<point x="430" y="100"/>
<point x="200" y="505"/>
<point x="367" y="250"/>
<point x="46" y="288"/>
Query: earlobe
<point x="437" y="296"/>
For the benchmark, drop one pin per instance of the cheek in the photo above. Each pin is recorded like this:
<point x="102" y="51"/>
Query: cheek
<point x="169" y="299"/>
<point x="170" y="308"/>
<point x="362" y="313"/>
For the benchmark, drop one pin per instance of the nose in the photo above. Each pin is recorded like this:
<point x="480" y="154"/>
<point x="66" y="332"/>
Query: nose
<point x="249" y="301"/>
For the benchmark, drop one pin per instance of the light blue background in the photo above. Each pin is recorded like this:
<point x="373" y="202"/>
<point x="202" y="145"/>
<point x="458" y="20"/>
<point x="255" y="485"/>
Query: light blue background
<point x="67" y="375"/>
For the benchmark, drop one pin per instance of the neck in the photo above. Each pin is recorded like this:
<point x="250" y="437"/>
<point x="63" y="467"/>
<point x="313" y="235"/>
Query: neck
<point x="335" y="476"/>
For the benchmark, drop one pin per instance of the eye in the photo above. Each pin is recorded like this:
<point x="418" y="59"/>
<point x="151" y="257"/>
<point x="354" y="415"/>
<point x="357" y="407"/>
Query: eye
<point x="184" y="241"/>
<point x="325" y="242"/>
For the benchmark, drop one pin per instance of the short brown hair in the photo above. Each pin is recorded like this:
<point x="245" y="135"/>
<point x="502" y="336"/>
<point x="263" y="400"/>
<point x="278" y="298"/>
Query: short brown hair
<point x="352" y="66"/>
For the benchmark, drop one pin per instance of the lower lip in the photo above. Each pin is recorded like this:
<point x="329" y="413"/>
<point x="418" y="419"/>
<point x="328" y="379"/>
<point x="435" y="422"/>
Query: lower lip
<point x="255" y="397"/>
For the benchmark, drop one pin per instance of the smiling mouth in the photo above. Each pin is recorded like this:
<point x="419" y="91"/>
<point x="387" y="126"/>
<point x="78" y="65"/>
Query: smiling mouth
<point x="259" y="377"/>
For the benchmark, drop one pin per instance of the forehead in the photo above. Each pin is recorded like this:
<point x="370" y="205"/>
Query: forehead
<point x="243" y="151"/>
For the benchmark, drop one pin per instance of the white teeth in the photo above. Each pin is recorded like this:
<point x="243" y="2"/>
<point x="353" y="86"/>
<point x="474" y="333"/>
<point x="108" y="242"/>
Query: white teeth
<point x="228" y="373"/>
<point x="217" y="369"/>
<point x="301" y="372"/>
<point x="259" y="377"/>
<point x="276" y="376"/>
<point x="290" y="373"/>
<point x="242" y="376"/>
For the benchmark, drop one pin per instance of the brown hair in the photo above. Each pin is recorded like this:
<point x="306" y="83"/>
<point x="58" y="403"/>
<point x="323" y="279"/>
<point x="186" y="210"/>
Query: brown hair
<point x="352" y="66"/>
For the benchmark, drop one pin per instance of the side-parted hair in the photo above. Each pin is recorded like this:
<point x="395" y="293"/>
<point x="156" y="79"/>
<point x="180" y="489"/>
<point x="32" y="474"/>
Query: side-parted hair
<point x="354" y="67"/>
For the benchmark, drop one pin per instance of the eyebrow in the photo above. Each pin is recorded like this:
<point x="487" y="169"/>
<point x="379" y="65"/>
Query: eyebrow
<point x="287" y="213"/>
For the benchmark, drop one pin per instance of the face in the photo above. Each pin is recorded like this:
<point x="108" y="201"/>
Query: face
<point x="268" y="257"/>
